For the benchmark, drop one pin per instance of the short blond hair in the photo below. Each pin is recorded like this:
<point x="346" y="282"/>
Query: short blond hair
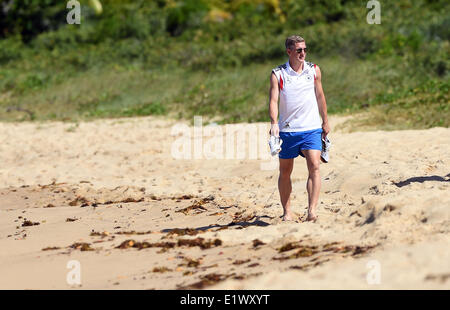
<point x="291" y="40"/>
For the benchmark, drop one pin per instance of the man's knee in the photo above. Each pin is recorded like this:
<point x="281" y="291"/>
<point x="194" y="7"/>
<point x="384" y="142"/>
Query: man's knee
<point x="285" y="173"/>
<point x="313" y="166"/>
<point x="285" y="177"/>
<point x="312" y="160"/>
<point x="286" y="170"/>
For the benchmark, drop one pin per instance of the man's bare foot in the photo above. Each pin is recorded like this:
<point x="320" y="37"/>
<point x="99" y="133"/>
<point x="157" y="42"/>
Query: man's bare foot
<point x="311" y="217"/>
<point x="287" y="217"/>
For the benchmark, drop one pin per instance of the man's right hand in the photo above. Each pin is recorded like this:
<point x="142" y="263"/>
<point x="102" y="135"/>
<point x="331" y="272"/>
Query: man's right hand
<point x="274" y="130"/>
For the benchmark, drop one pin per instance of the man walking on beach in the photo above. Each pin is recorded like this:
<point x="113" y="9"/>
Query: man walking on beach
<point x="302" y="103"/>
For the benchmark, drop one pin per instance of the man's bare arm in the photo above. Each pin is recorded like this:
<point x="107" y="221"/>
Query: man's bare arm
<point x="273" y="104"/>
<point x="321" y="101"/>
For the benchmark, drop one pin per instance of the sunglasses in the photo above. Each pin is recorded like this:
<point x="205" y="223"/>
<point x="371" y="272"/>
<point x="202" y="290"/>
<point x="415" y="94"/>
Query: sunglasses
<point x="299" y="50"/>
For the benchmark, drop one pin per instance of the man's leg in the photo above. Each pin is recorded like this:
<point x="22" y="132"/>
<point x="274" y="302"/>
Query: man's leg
<point x="314" y="182"/>
<point x="285" y="186"/>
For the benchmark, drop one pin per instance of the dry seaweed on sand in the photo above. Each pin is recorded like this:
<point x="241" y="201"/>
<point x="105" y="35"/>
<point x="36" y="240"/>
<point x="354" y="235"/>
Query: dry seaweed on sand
<point x="142" y="245"/>
<point x="206" y="280"/>
<point x="197" y="205"/>
<point x="79" y="200"/>
<point x="240" y="262"/>
<point x="307" y="251"/>
<point x="330" y="246"/>
<point x="99" y="234"/>
<point x="153" y="197"/>
<point x="354" y="250"/>
<point x="133" y="232"/>
<point x="214" y="278"/>
<point x="289" y="246"/>
<point x="200" y="242"/>
<point x="182" y="232"/>
<point x="257" y="243"/>
<point x="190" y="262"/>
<point x="29" y="223"/>
<point x="309" y="265"/>
<point x="126" y="200"/>
<point x="82" y="246"/>
<point x="183" y="197"/>
<point x="161" y="269"/>
<point x="51" y="248"/>
<point x="438" y="277"/>
<point x="238" y="217"/>
<point x="357" y="250"/>
<point x="304" y="251"/>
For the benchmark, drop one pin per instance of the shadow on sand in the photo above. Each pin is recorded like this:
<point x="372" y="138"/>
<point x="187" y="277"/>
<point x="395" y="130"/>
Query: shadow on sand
<point x="423" y="179"/>
<point x="243" y="224"/>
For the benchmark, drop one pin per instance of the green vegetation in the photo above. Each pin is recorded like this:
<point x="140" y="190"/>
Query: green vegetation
<point x="213" y="58"/>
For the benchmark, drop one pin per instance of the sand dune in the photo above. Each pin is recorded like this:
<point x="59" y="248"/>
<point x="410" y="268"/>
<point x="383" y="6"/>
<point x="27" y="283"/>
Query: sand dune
<point x="110" y="195"/>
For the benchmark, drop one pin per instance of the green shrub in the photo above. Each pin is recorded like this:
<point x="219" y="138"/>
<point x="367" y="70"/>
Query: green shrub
<point x="152" y="57"/>
<point x="10" y="49"/>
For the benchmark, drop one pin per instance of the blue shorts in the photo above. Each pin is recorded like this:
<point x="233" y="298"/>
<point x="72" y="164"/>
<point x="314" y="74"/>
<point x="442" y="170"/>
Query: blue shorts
<point x="295" y="142"/>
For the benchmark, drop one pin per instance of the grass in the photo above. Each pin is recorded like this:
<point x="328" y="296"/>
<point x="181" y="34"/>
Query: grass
<point x="396" y="72"/>
<point x="418" y="108"/>
<point x="238" y="94"/>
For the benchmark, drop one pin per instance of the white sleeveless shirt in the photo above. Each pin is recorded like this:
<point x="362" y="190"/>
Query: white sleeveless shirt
<point x="298" y="104"/>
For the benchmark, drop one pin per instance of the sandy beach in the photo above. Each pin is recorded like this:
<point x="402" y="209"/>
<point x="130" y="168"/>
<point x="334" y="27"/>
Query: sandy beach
<point x="110" y="195"/>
